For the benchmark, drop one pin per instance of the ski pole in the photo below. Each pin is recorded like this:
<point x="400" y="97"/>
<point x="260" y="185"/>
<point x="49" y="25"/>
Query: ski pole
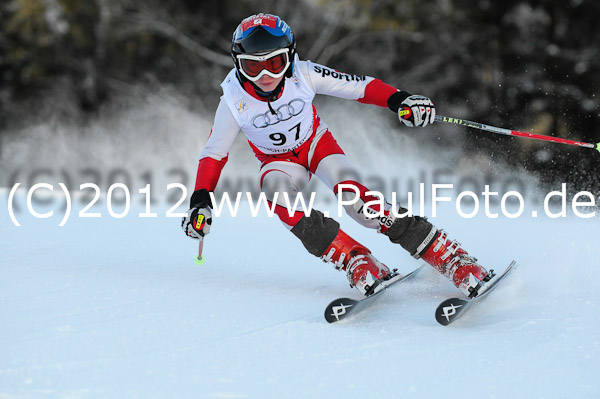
<point x="509" y="132"/>
<point x="198" y="221"/>
<point x="199" y="259"/>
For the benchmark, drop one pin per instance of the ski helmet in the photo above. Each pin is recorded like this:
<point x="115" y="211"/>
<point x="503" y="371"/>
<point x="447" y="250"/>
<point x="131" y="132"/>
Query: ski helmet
<point x="263" y="44"/>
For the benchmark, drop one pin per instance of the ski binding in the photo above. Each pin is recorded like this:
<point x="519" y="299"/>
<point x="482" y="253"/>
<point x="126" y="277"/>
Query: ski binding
<point x="452" y="308"/>
<point x="341" y="308"/>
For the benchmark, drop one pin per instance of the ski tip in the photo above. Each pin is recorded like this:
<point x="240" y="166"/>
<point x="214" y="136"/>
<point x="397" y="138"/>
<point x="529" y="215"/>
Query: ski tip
<point x="200" y="260"/>
<point x="339" y="309"/>
<point x="511" y="265"/>
<point x="450" y="310"/>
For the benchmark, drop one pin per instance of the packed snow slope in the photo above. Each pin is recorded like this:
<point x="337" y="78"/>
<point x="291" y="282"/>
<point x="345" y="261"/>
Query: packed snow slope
<point x="117" y="308"/>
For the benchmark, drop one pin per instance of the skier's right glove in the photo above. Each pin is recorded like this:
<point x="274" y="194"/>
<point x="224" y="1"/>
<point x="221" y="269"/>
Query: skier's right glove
<point x="198" y="220"/>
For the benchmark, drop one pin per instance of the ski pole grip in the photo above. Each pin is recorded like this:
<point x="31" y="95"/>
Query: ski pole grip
<point x="405" y="113"/>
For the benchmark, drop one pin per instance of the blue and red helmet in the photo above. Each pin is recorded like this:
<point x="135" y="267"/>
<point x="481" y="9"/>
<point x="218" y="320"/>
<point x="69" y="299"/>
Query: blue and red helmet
<point x="263" y="44"/>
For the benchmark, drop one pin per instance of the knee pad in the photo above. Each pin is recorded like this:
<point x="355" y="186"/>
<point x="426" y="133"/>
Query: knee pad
<point x="412" y="233"/>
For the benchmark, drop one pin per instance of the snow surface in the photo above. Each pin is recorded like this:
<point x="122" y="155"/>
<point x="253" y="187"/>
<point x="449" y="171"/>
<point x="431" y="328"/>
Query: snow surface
<point x="92" y="310"/>
<point x="116" y="308"/>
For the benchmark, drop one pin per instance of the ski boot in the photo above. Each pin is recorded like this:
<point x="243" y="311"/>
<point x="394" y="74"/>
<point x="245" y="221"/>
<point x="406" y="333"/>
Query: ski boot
<point x="455" y="263"/>
<point x="364" y="272"/>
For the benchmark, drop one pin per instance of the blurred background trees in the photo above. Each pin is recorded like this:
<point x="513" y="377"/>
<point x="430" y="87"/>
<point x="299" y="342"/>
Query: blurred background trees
<point x="527" y="65"/>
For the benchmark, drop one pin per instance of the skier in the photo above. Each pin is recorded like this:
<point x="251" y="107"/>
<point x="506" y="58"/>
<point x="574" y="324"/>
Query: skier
<point x="268" y="95"/>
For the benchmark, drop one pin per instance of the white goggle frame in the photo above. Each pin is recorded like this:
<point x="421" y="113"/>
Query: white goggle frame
<point x="265" y="57"/>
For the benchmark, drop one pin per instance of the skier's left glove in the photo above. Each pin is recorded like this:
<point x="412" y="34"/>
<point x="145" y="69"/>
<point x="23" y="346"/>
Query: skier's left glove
<point x="416" y="111"/>
<point x="196" y="224"/>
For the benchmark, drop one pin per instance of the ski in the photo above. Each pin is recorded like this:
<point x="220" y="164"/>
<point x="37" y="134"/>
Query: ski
<point x="341" y="308"/>
<point x="452" y="308"/>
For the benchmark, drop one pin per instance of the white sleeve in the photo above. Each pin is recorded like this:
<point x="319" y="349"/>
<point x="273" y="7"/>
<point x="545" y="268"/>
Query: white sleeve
<point x="325" y="80"/>
<point x="225" y="130"/>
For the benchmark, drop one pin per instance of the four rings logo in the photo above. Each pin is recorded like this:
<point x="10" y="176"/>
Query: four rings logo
<point x="283" y="113"/>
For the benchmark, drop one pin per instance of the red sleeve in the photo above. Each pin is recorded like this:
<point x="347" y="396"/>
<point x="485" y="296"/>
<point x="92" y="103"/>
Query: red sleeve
<point x="209" y="171"/>
<point x="377" y="93"/>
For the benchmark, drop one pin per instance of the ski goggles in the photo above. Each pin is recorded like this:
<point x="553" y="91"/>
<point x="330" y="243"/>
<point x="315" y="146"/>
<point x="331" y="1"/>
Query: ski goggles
<point x="273" y="64"/>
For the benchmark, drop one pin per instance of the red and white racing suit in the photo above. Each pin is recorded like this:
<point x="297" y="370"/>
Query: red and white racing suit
<point x="287" y="136"/>
<point x="292" y="144"/>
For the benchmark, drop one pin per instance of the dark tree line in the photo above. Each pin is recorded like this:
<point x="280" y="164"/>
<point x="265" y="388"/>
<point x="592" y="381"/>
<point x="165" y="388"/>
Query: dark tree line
<point x="528" y="65"/>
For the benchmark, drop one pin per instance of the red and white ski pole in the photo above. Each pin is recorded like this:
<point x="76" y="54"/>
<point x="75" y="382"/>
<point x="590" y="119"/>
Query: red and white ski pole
<point x="509" y="132"/>
<point x="406" y="112"/>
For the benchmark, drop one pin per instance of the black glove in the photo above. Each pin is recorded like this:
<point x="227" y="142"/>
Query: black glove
<point x="199" y="218"/>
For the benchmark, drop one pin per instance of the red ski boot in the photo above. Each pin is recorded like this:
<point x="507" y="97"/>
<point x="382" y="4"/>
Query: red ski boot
<point x="362" y="269"/>
<point x="456" y="264"/>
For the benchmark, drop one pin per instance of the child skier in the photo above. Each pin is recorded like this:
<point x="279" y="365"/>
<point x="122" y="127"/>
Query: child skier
<point x="268" y="95"/>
